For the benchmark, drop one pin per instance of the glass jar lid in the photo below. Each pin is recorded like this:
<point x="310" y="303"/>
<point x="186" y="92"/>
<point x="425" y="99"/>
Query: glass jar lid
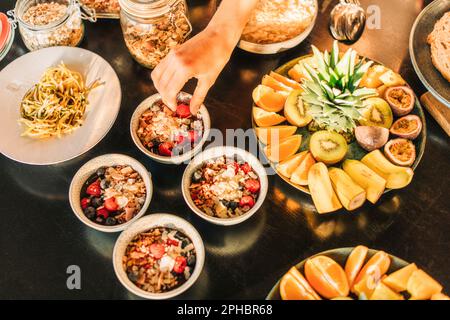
<point x="147" y="8"/>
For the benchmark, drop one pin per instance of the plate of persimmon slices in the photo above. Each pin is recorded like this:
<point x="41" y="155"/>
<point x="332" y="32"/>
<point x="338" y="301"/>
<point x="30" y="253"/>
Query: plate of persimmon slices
<point x="356" y="273"/>
<point x="340" y="127"/>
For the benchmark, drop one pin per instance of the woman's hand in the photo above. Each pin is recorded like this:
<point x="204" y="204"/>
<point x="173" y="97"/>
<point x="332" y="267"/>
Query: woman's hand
<point x="202" y="57"/>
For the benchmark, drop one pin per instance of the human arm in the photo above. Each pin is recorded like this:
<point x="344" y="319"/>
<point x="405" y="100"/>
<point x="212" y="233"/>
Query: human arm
<point x="203" y="56"/>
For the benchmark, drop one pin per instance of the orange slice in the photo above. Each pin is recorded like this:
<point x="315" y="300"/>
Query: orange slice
<point x="288" y="166"/>
<point x="274" y="134"/>
<point x="275" y="84"/>
<point x="421" y="286"/>
<point x="293" y="286"/>
<point x="377" y="266"/>
<point x="285" y="148"/>
<point x="268" y="99"/>
<point x="398" y="280"/>
<point x="300" y="175"/>
<point x="298" y="72"/>
<point x="264" y="118"/>
<point x="365" y="287"/>
<point x="355" y="262"/>
<point x="327" y="277"/>
<point x="286" y="81"/>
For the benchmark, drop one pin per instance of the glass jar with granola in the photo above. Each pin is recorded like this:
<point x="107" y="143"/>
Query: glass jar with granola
<point x="104" y="8"/>
<point x="48" y="23"/>
<point x="151" y="28"/>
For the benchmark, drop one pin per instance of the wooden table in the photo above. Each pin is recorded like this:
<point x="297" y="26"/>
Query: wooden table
<point x="40" y="236"/>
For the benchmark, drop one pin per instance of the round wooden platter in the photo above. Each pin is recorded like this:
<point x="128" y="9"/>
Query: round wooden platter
<point x="339" y="255"/>
<point x="354" y="149"/>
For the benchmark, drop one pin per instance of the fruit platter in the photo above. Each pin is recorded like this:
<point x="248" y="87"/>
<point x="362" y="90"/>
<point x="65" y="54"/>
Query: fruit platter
<point x="356" y="273"/>
<point x="340" y="127"/>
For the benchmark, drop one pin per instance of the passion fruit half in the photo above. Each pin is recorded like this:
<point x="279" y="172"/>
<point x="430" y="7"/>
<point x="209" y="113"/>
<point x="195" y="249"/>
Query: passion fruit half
<point x="401" y="152"/>
<point x="401" y="99"/>
<point x="328" y="147"/>
<point x="408" y="127"/>
<point x="370" y="137"/>
<point x="376" y="112"/>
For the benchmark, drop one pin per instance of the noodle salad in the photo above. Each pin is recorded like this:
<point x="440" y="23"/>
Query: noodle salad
<point x="56" y="104"/>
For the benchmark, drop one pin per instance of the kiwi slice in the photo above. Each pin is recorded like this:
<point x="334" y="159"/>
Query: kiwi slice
<point x="377" y="112"/>
<point x="328" y="147"/>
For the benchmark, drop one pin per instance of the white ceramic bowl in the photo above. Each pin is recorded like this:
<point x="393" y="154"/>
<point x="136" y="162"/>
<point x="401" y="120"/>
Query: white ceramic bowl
<point x="144" y="224"/>
<point x="134" y="125"/>
<point x="90" y="168"/>
<point x="24" y="72"/>
<point x="229" y="152"/>
<point x="272" y="48"/>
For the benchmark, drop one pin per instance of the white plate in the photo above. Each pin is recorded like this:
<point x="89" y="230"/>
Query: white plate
<point x="21" y="74"/>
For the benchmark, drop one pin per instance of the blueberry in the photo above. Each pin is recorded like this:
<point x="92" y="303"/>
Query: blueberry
<point x="110" y="221"/>
<point x="104" y="184"/>
<point x="89" y="212"/>
<point x="197" y="176"/>
<point x="100" y="220"/>
<point x="233" y="205"/>
<point x="101" y="171"/>
<point x="133" y="276"/>
<point x="191" y="260"/>
<point x="184" y="243"/>
<point x="225" y="203"/>
<point x="96" y="202"/>
<point x="179" y="236"/>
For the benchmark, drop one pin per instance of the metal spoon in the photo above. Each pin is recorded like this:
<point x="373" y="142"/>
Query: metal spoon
<point x="347" y="20"/>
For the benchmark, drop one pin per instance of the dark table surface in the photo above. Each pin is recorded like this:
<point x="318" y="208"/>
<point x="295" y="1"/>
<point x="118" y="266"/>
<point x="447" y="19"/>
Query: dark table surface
<point x="40" y="236"/>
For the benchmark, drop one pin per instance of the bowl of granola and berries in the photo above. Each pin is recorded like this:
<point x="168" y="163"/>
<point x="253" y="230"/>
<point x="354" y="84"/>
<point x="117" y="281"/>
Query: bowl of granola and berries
<point x="110" y="192"/>
<point x="167" y="136"/>
<point x="225" y="185"/>
<point x="159" y="256"/>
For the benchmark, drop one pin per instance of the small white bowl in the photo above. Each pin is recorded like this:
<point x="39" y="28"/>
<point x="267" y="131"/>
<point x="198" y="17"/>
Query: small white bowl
<point x="90" y="168"/>
<point x="144" y="224"/>
<point x="229" y="152"/>
<point x="134" y="125"/>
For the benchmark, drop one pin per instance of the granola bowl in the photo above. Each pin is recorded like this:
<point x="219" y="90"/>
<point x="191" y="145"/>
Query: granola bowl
<point x="225" y="185"/>
<point x="169" y="137"/>
<point x="159" y="257"/>
<point x="110" y="192"/>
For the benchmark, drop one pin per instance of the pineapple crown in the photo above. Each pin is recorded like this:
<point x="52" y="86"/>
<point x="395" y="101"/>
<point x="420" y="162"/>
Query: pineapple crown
<point x="331" y="91"/>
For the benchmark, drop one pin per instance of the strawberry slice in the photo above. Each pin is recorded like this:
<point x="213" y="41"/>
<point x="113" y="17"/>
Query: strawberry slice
<point x="157" y="250"/>
<point x="85" y="203"/>
<point x="183" y="111"/>
<point x="111" y="204"/>
<point x="94" y="189"/>
<point x="165" y="149"/>
<point x="247" y="201"/>
<point x="171" y="242"/>
<point x="193" y="136"/>
<point x="246" y="168"/>
<point x="180" y="264"/>
<point x="102" y="212"/>
<point x="252" y="185"/>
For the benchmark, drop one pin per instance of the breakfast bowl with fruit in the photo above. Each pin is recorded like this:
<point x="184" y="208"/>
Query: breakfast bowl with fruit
<point x="340" y="127"/>
<point x="159" y="257"/>
<point x="166" y="136"/>
<point x="224" y="185"/>
<point x="110" y="192"/>
<point x="357" y="273"/>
